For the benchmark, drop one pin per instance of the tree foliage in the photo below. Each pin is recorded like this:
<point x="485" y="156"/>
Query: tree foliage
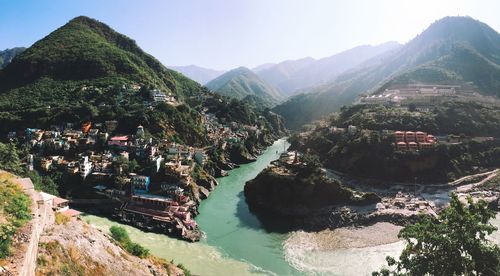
<point x="121" y="236"/>
<point x="453" y="244"/>
<point x="9" y="158"/>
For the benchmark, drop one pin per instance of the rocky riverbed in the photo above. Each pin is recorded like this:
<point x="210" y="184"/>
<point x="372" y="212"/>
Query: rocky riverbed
<point x="310" y="201"/>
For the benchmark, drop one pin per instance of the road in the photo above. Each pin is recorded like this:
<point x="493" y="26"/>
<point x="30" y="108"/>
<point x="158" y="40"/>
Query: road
<point x="42" y="213"/>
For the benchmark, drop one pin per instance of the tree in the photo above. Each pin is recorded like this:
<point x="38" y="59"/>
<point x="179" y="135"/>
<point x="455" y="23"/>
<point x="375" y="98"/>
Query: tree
<point x="453" y="244"/>
<point x="9" y="159"/>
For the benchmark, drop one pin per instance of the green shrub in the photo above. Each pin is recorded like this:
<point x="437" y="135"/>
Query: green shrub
<point x="119" y="234"/>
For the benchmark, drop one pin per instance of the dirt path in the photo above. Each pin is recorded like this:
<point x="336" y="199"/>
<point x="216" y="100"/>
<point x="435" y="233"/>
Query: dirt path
<point x="42" y="214"/>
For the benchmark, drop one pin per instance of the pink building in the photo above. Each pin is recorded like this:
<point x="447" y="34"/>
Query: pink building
<point x="401" y="146"/>
<point x="121" y="141"/>
<point x="400" y="136"/>
<point x="410" y="136"/>
<point x="412" y="146"/>
<point x="421" y="136"/>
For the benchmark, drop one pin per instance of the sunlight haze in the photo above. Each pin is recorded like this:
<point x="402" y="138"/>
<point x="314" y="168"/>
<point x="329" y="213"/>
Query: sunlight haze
<point x="224" y="34"/>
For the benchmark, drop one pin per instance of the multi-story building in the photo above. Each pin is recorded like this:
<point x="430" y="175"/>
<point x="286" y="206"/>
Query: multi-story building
<point x="85" y="167"/>
<point x="140" y="184"/>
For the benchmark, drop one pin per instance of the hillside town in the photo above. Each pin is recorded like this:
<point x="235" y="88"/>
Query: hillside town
<point x="151" y="178"/>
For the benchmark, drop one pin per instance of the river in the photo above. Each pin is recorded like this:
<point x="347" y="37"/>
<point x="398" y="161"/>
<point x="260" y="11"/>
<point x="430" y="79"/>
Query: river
<point x="236" y="244"/>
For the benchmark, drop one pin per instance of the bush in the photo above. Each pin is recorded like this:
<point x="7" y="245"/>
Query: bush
<point x="137" y="250"/>
<point x="119" y="234"/>
<point x="15" y="208"/>
<point x="61" y="219"/>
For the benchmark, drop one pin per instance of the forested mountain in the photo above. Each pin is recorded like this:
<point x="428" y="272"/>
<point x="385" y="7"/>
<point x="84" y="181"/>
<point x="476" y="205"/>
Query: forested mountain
<point x="242" y="82"/>
<point x="197" y="73"/>
<point x="290" y="75"/>
<point x="7" y="55"/>
<point x="86" y="71"/>
<point x="453" y="49"/>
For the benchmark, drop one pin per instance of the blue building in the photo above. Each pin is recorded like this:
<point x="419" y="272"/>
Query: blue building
<point x="140" y="184"/>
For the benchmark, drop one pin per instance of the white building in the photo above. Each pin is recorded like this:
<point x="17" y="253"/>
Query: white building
<point x="85" y="167"/>
<point x="158" y="96"/>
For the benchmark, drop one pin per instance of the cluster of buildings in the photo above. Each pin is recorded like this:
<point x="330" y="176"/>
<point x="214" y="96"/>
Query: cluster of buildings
<point x="412" y="141"/>
<point x="221" y="132"/>
<point x="159" y="195"/>
<point x="158" y="96"/>
<point x="424" y="96"/>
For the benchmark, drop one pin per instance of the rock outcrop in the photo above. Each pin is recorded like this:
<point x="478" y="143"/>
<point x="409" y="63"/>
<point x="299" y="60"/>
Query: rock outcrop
<point x="303" y="200"/>
<point x="76" y="248"/>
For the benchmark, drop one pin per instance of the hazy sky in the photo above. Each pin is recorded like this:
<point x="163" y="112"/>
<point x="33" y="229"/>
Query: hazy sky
<point x="223" y="34"/>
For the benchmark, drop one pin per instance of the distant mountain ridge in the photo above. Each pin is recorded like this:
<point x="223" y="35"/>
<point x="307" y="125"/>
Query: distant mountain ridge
<point x="242" y="82"/>
<point x="200" y="74"/>
<point x="452" y="49"/>
<point x="7" y="55"/>
<point x="291" y="75"/>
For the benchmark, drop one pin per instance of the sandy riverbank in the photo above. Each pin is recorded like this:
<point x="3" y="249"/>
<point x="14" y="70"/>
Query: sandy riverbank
<point x="348" y="237"/>
<point x="343" y="251"/>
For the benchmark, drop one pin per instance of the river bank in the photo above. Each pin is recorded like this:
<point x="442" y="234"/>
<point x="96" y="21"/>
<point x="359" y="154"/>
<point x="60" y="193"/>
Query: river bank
<point x="235" y="242"/>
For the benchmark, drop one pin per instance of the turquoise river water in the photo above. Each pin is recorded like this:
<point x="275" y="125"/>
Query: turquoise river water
<point x="236" y="244"/>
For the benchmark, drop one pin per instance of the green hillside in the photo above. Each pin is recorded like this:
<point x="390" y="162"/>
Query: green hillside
<point x="241" y="82"/>
<point x="453" y="49"/>
<point x="86" y="71"/>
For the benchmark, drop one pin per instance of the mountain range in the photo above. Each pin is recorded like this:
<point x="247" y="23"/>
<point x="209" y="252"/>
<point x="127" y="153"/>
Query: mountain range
<point x="292" y="75"/>
<point x="242" y="82"/>
<point x="452" y="49"/>
<point x="7" y="55"/>
<point x="197" y="73"/>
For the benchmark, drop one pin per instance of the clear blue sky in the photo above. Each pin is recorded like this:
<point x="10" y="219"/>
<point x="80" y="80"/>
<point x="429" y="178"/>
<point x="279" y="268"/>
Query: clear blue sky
<point x="223" y="34"/>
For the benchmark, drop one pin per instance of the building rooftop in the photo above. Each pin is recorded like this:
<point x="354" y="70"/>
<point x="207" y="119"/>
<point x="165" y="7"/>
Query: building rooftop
<point x="119" y="138"/>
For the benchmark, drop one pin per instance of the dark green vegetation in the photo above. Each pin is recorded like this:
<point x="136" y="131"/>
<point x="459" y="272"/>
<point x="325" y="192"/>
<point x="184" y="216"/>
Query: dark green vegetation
<point x="453" y="244"/>
<point x="121" y="236"/>
<point x="7" y="55"/>
<point x="85" y="71"/>
<point x="242" y="82"/>
<point x="449" y="118"/>
<point x="15" y="209"/>
<point x="10" y="161"/>
<point x="76" y="73"/>
<point x="303" y="187"/>
<point x="453" y="49"/>
<point x="371" y="154"/>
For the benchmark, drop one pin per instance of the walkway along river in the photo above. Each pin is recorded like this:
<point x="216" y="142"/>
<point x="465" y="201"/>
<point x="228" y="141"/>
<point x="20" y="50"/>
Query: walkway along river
<point x="236" y="244"/>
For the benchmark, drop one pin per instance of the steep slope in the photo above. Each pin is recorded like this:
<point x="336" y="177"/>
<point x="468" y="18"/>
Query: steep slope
<point x="453" y="49"/>
<point x="288" y="76"/>
<point x="88" y="251"/>
<point x="197" y="73"/>
<point x="85" y="49"/>
<point x="241" y="82"/>
<point x="7" y="55"/>
<point x="87" y="71"/>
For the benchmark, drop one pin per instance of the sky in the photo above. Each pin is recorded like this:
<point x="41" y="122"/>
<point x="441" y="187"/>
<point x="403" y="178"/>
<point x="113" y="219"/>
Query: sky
<point x="224" y="34"/>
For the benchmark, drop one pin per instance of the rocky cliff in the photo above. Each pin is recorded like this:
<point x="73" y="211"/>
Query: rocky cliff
<point x="305" y="198"/>
<point x="88" y="251"/>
